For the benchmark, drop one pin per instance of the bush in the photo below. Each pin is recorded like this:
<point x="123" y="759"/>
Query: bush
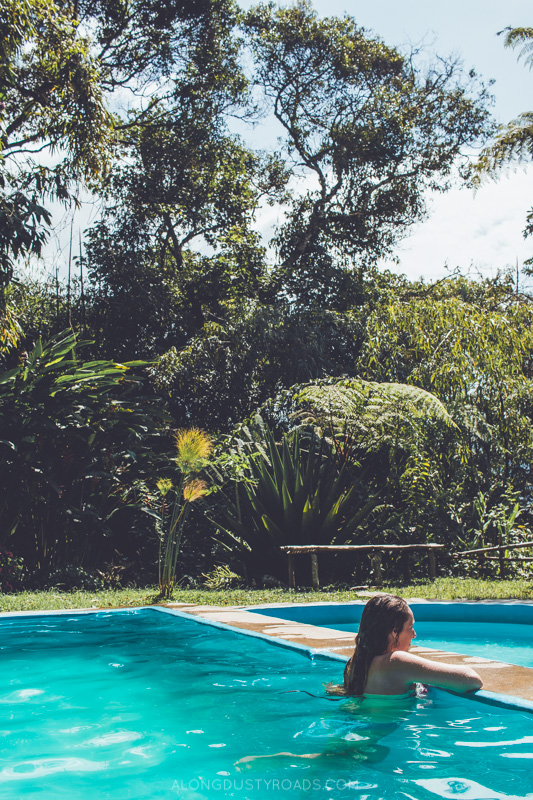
<point x="11" y="571"/>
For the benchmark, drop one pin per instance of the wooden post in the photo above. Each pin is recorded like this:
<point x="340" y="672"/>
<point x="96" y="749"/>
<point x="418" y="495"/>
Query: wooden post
<point x="314" y="571"/>
<point x="500" y="555"/>
<point x="357" y="570"/>
<point x="375" y="560"/>
<point x="292" y="579"/>
<point x="432" y="564"/>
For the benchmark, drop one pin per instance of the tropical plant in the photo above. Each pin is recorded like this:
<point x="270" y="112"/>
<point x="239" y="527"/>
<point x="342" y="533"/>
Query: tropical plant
<point x="296" y="492"/>
<point x="10" y="329"/>
<point x="194" y="448"/>
<point x="403" y="439"/>
<point x="469" y="343"/>
<point x="367" y="406"/>
<point x="494" y="523"/>
<point x="70" y="440"/>
<point x="401" y="435"/>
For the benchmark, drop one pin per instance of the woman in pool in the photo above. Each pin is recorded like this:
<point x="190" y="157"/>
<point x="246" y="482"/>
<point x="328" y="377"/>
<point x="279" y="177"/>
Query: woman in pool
<point x="381" y="667"/>
<point x="382" y="664"/>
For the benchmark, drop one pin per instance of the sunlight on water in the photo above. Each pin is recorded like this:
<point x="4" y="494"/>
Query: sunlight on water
<point x="140" y="705"/>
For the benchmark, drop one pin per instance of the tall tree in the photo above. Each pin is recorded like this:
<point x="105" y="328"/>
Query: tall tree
<point x="81" y="81"/>
<point x="367" y="128"/>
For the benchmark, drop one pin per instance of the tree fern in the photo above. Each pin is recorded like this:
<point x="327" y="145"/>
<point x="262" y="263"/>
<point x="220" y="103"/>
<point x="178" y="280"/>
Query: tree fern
<point x="366" y="405"/>
<point x="391" y="427"/>
<point x="523" y="37"/>
<point x="514" y="141"/>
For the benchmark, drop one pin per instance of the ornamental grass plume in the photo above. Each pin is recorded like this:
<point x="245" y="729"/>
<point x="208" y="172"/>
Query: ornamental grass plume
<point x="194" y="489"/>
<point x="164" y="485"/>
<point x="194" y="449"/>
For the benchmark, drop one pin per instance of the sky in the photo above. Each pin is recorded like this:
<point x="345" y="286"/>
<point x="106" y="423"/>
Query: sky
<point x="478" y="232"/>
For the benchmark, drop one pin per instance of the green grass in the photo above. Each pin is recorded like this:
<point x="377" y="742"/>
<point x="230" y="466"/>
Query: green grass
<point x="441" y="589"/>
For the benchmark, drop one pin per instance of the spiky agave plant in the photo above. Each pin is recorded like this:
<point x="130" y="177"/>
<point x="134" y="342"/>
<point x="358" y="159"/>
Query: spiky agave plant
<point x="295" y="494"/>
<point x="194" y="448"/>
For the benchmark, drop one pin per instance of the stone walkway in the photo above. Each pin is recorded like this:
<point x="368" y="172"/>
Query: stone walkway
<point x="498" y="677"/>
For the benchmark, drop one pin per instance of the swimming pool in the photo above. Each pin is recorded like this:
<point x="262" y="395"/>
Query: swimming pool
<point x="503" y="632"/>
<point x="143" y="704"/>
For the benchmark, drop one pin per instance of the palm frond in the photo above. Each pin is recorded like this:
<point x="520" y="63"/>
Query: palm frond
<point x="514" y="142"/>
<point x="515" y="37"/>
<point x="364" y="404"/>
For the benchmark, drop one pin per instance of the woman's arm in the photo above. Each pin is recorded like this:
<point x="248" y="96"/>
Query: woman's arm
<point x="457" y="677"/>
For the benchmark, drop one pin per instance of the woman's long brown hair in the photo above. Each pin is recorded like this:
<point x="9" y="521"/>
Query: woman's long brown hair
<point x="382" y="615"/>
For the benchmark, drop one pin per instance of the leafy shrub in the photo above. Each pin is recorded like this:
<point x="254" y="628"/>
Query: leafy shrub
<point x="222" y="577"/>
<point x="11" y="571"/>
<point x="72" y="577"/>
<point x="71" y="438"/>
<point x="290" y="493"/>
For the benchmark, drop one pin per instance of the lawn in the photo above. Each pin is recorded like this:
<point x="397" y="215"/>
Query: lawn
<point x="441" y="589"/>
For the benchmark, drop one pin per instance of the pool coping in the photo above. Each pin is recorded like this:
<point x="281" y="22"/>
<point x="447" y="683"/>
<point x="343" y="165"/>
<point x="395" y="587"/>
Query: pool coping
<point x="501" y="679"/>
<point x="304" y="638"/>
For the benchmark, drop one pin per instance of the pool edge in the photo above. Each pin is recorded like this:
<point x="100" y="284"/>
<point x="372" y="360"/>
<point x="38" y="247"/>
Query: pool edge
<point x="192" y="612"/>
<point x="484" y="696"/>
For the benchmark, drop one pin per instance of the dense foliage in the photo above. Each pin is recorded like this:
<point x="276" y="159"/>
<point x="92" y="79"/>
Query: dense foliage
<point x="73" y="443"/>
<point x="472" y="349"/>
<point x="416" y="399"/>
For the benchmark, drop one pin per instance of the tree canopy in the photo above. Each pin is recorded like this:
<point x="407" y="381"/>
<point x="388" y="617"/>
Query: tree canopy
<point x="82" y="82"/>
<point x="136" y="102"/>
<point x="368" y="128"/>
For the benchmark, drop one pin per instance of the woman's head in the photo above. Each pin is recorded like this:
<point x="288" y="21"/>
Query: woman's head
<point x="382" y="622"/>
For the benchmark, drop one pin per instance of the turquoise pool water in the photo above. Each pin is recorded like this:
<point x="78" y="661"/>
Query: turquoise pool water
<point x="140" y="705"/>
<point x="499" y="631"/>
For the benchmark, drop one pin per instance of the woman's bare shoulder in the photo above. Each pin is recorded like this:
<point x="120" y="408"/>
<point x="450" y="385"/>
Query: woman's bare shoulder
<point x="404" y="657"/>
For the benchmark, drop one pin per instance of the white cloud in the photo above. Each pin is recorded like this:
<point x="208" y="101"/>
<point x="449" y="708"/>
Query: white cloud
<point x="481" y="230"/>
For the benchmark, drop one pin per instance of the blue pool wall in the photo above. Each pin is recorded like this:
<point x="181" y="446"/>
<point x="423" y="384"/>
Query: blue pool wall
<point x="327" y="614"/>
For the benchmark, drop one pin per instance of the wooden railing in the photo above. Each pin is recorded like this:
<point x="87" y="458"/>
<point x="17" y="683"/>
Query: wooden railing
<point x="500" y="549"/>
<point x="375" y="549"/>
